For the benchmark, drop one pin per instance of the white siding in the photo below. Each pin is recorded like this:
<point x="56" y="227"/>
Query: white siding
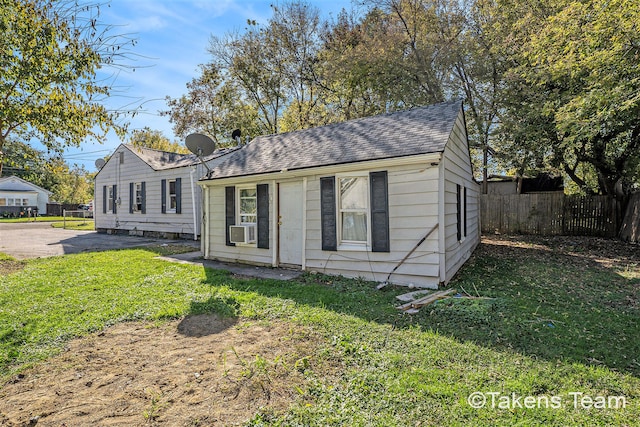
<point x="422" y="197"/>
<point x="413" y="212"/>
<point x="218" y="249"/>
<point x="133" y="169"/>
<point x="12" y="187"/>
<point x="457" y="171"/>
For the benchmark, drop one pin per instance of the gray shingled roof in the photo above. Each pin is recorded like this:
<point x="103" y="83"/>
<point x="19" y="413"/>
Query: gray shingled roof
<point x="161" y="160"/>
<point x="420" y="130"/>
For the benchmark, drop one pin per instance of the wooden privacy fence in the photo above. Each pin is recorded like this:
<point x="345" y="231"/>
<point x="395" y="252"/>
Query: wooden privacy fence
<point x="549" y="214"/>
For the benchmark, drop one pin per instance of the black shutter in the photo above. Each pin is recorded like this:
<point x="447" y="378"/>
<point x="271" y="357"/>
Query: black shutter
<point x="132" y="197"/>
<point x="178" y="195"/>
<point x="459" y="211"/>
<point x="143" y="195"/>
<point x="328" y="213"/>
<point x="230" y="212"/>
<point x="379" y="212"/>
<point x="163" y="195"/>
<point x="104" y="199"/>
<point x="262" y="191"/>
<point x="464" y="198"/>
<point x="115" y="198"/>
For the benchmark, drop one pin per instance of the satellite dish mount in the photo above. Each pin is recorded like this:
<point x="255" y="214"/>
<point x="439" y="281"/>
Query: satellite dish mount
<point x="235" y="135"/>
<point x="200" y="145"/>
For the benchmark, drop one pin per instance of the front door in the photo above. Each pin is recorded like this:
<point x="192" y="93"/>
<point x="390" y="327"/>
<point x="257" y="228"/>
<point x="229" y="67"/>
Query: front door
<point x="290" y="223"/>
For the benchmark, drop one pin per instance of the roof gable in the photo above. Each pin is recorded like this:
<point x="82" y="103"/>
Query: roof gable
<point x="161" y="160"/>
<point x="416" y="131"/>
<point x="14" y="183"/>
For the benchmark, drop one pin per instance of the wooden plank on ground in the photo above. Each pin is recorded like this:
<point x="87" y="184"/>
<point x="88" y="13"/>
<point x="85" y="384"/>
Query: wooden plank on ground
<point x="426" y="300"/>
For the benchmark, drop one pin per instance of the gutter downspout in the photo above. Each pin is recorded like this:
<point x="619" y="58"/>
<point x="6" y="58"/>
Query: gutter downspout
<point x="193" y="201"/>
<point x="204" y="242"/>
<point x="442" y="250"/>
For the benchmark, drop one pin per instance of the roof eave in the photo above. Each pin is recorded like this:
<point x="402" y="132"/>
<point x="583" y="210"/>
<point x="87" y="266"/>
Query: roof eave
<point x="411" y="159"/>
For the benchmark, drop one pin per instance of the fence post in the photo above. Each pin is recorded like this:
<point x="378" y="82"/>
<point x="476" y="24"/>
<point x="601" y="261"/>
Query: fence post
<point x="64" y="219"/>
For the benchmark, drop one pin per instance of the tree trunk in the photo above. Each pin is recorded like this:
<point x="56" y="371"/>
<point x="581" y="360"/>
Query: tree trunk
<point x="485" y="166"/>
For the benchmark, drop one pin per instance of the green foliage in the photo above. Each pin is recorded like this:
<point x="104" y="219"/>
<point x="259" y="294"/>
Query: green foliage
<point x="212" y="106"/>
<point x="154" y="139"/>
<point x="549" y="86"/>
<point x="573" y="89"/>
<point x="371" y="364"/>
<point x="50" y="87"/>
<point x="68" y="184"/>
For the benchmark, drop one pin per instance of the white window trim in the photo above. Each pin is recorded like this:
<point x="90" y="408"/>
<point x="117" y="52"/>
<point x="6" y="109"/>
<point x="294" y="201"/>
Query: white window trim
<point x="136" y="186"/>
<point x="168" y="201"/>
<point x="347" y="245"/>
<point x="110" y="201"/>
<point x="239" y="213"/>
<point x="463" y="209"/>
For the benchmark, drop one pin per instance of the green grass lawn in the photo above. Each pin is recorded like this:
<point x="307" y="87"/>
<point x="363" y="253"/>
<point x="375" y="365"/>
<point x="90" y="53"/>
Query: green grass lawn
<point x="53" y="219"/>
<point x="70" y="223"/>
<point x="551" y="324"/>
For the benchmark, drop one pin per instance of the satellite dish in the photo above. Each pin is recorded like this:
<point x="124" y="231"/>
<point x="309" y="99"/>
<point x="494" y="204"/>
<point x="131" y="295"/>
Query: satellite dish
<point x="199" y="144"/>
<point x="100" y="163"/>
<point x="236" y="134"/>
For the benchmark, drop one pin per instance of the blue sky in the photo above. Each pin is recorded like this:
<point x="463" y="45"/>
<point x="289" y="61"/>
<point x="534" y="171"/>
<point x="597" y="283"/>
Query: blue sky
<point x="172" y="39"/>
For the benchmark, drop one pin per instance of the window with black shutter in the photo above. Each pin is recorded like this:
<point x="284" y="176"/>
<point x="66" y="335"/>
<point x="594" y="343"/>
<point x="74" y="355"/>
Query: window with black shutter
<point x="459" y="211"/>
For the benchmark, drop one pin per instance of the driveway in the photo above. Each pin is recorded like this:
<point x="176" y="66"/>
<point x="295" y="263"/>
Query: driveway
<point x="38" y="239"/>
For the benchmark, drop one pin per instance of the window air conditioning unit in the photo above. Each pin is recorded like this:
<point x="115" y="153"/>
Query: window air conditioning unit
<point x="242" y="234"/>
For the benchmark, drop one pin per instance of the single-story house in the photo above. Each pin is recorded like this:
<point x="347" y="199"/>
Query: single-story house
<point x="16" y="194"/>
<point x="386" y="198"/>
<point x="142" y="191"/>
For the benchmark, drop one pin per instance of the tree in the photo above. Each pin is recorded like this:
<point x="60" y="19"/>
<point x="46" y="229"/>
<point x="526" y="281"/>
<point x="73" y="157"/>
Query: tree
<point x="574" y="90"/>
<point x="252" y="64"/>
<point x="213" y="106"/>
<point x="51" y="87"/>
<point x="273" y="67"/>
<point x="154" y="139"/>
<point x="68" y="184"/>
<point x="73" y="185"/>
<point x="24" y="161"/>
<point x="380" y="62"/>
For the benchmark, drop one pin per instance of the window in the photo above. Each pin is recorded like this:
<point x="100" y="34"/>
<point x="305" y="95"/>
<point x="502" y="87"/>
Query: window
<point x="3" y="201"/>
<point x="353" y="205"/>
<point x="137" y="194"/>
<point x="25" y="202"/>
<point x="171" y="190"/>
<point x="172" y="195"/>
<point x="109" y="199"/>
<point x="464" y="200"/>
<point x="354" y="212"/>
<point x="461" y="212"/>
<point x="247" y="205"/>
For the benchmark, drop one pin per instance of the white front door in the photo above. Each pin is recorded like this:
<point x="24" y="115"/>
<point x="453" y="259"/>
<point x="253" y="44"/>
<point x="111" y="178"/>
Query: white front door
<point x="290" y="222"/>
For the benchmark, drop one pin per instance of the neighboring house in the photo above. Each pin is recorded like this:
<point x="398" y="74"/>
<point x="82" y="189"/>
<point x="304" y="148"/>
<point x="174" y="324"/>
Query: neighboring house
<point x="141" y="191"/>
<point x="504" y="185"/>
<point x="16" y="194"/>
<point x="352" y="199"/>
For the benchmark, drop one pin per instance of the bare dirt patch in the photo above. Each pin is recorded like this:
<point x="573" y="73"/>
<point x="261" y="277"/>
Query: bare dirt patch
<point x="201" y="370"/>
<point x="608" y="253"/>
<point x="8" y="266"/>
